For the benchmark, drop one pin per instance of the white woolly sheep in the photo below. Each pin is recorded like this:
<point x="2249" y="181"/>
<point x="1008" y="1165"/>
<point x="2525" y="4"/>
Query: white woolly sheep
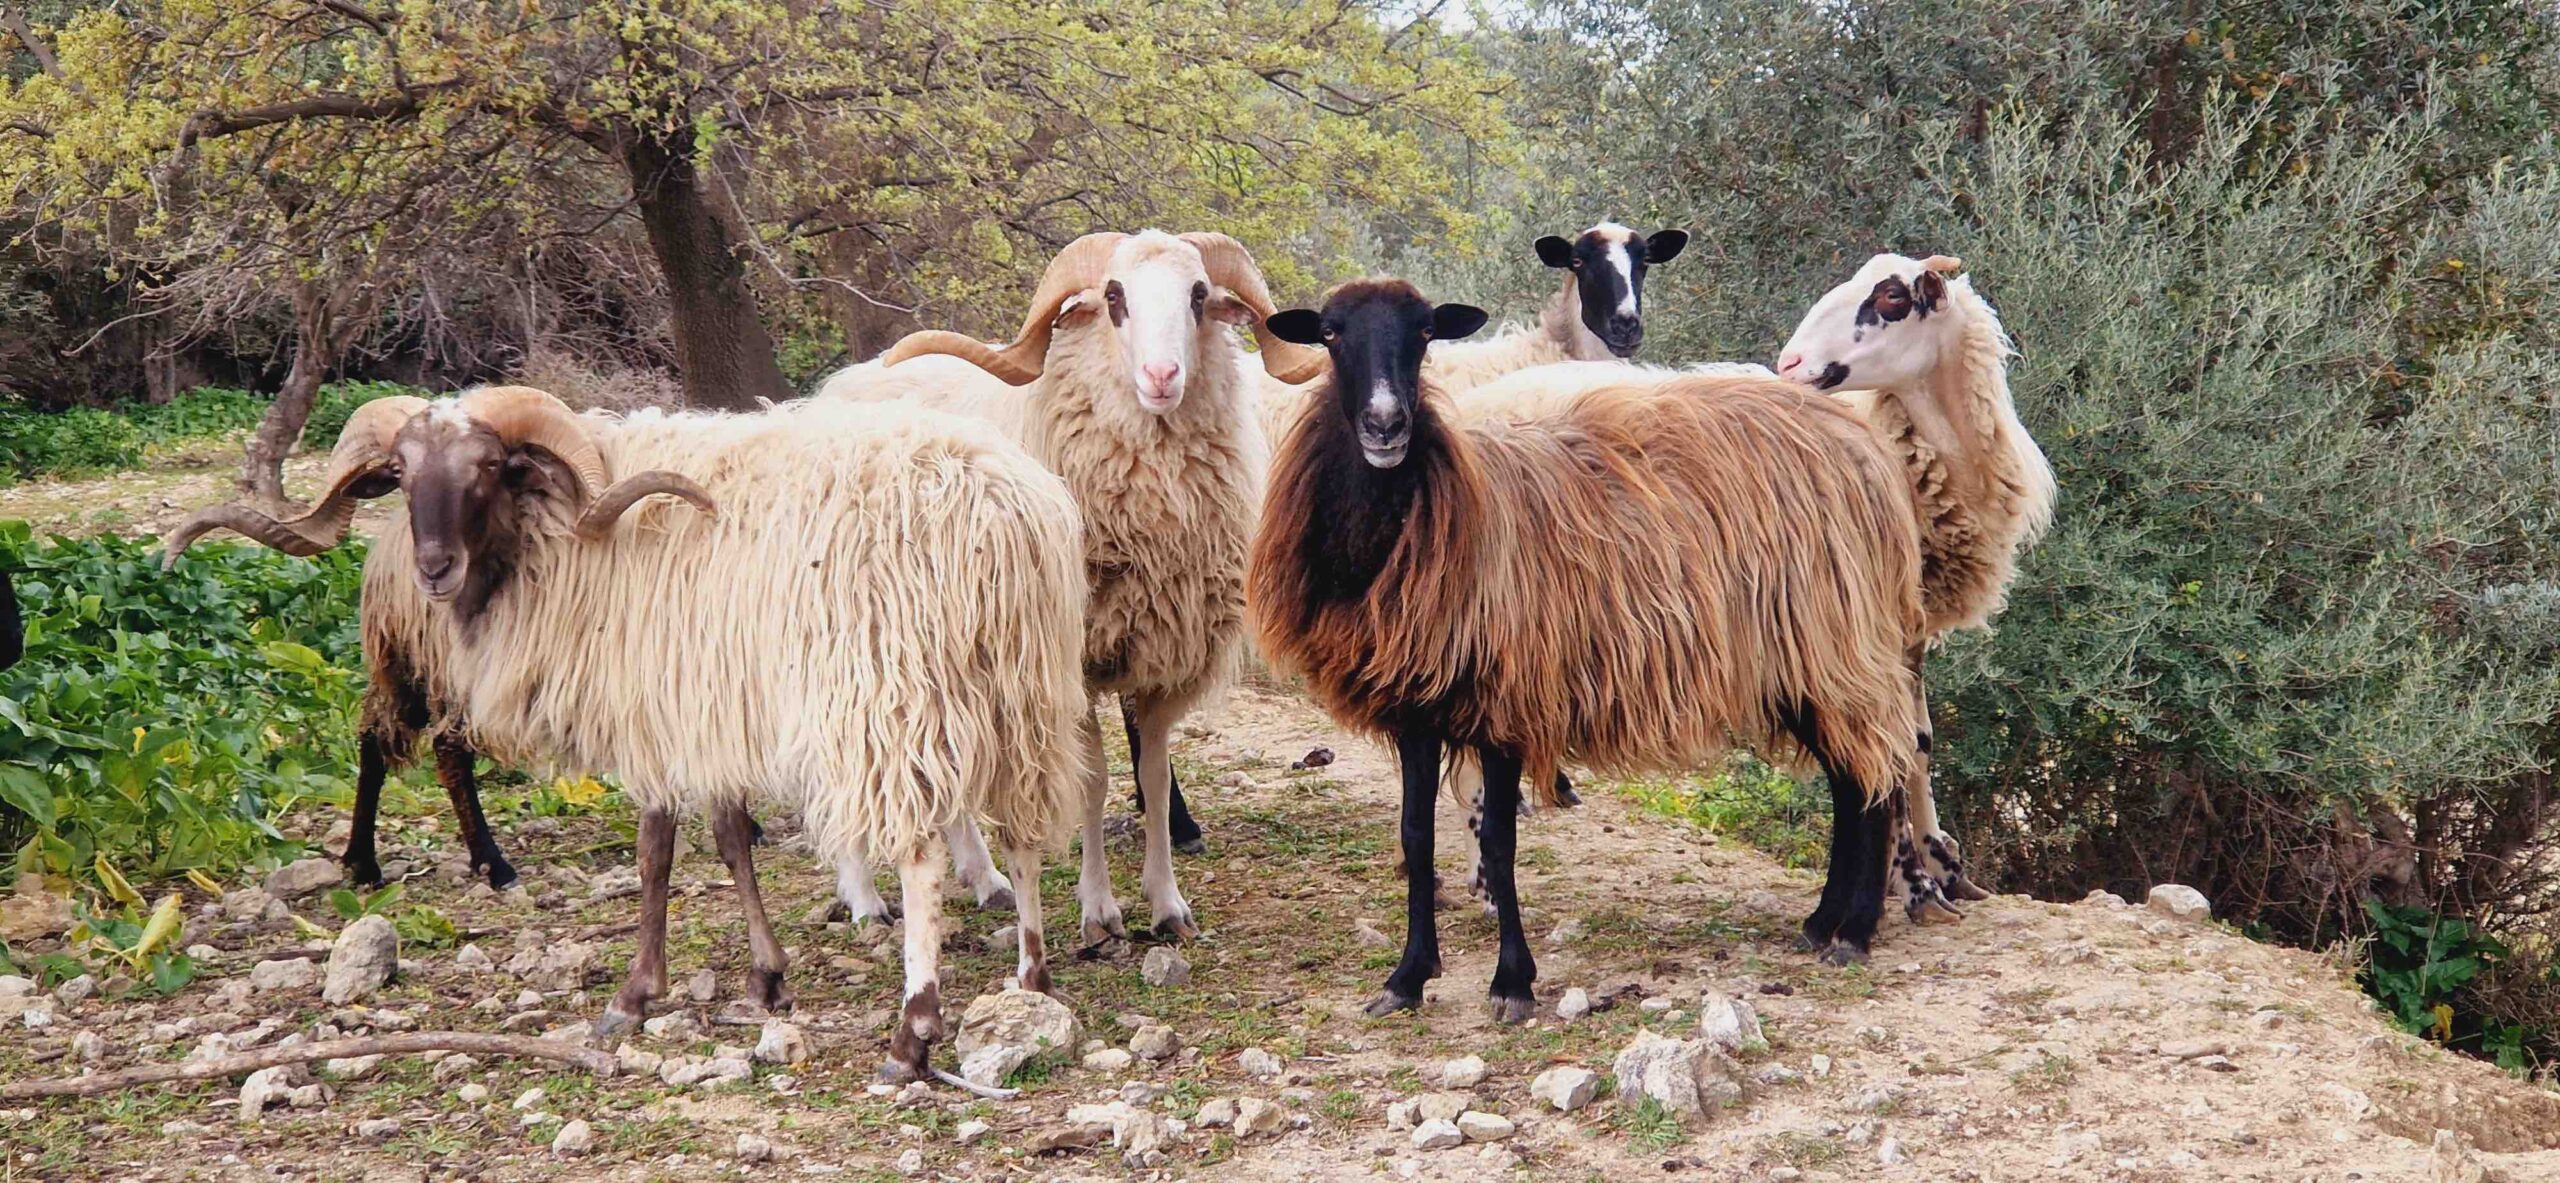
<point x="802" y="646"/>
<point x="1136" y="394"/>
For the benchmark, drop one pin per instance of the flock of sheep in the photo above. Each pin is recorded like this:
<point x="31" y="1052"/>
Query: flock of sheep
<point x="890" y="606"/>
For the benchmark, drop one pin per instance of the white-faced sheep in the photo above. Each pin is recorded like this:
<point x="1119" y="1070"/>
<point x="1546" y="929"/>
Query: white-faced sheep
<point x="803" y="646"/>
<point x="1597" y="315"/>
<point x="1637" y="581"/>
<point x="1136" y="394"/>
<point x="1922" y="357"/>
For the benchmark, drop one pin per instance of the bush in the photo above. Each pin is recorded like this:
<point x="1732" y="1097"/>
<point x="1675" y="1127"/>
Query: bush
<point x="81" y="440"/>
<point x="160" y="723"/>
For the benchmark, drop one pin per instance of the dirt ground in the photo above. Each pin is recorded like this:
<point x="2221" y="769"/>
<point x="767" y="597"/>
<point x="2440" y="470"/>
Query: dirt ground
<point x="2034" y="1041"/>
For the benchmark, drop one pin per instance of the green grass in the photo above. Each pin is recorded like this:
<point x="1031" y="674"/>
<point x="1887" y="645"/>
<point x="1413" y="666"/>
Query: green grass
<point x="1649" y="1125"/>
<point x="1764" y="808"/>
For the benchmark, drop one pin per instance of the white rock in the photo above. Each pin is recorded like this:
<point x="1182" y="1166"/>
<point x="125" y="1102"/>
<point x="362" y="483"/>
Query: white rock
<point x="530" y="1098"/>
<point x="472" y="1094"/>
<point x="573" y="1139"/>
<point x="352" y="1067"/>
<point x="1023" y="1019"/>
<point x="554" y="965"/>
<point x="1440" y="1106"/>
<point x="1165" y="966"/>
<point x="678" y="1027"/>
<point x="472" y="958"/>
<point x="2180" y="902"/>
<point x="453" y="1068"/>
<point x="1218" y="1112"/>
<point x="361" y="960"/>
<point x="75" y="991"/>
<point x="296" y="973"/>
<point x="300" y="878"/>
<point x="1369" y="936"/>
<point x="1257" y="1116"/>
<point x="1465" y="1072"/>
<point x="753" y="1148"/>
<point x="911" y="1163"/>
<point x="989" y="1065"/>
<point x="1575" y="1004"/>
<point x="377" y="1129"/>
<point x="971" y="1131"/>
<point x="1484" y="1127"/>
<point x="1730" y="1024"/>
<point x="781" y="1043"/>
<point x="1154" y="1042"/>
<point x="1689" y="1077"/>
<point x="1655" y="1005"/>
<point x="703" y="986"/>
<point x="1258" y="1063"/>
<point x="1566" y="1087"/>
<point x="1109" y="1059"/>
<point x="16" y="986"/>
<point x="2100" y="897"/>
<point x="1437" y="1135"/>
<point x="88" y="1047"/>
<point x="183" y="1128"/>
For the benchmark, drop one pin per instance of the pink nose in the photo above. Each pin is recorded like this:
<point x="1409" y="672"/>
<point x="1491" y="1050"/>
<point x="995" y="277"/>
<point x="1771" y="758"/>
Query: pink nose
<point x="1162" y="373"/>
<point x="1790" y="362"/>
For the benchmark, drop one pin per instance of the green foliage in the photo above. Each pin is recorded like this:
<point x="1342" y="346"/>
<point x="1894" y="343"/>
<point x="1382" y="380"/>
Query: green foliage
<point x="1746" y="799"/>
<point x="2421" y="967"/>
<point x="349" y="905"/>
<point x="84" y="439"/>
<point x="167" y="719"/>
<point x="424" y="927"/>
<point x="1648" y="1124"/>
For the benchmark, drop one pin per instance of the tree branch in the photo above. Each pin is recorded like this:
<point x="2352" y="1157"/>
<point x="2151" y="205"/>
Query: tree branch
<point x="16" y="22"/>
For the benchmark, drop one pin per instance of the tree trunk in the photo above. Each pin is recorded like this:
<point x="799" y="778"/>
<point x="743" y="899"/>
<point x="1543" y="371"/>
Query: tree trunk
<point x="315" y="349"/>
<point x="721" y="344"/>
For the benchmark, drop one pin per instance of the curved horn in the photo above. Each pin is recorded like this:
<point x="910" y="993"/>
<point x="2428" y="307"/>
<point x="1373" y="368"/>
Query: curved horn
<point x="364" y="444"/>
<point x="1943" y="264"/>
<point x="1231" y="267"/>
<point x="609" y="506"/>
<point x="1079" y="266"/>
<point x="522" y="415"/>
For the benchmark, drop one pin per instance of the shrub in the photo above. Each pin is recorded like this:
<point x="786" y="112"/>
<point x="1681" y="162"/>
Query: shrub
<point x="81" y="440"/>
<point x="160" y="723"/>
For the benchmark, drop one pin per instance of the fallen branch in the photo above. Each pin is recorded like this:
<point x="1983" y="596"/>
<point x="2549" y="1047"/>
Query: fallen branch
<point x="966" y="1085"/>
<point x="303" y="1053"/>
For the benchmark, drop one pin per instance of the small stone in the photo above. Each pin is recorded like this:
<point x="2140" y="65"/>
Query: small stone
<point x="2216" y="1064"/>
<point x="1566" y="1087"/>
<point x="352" y="1068"/>
<point x="1465" y="1072"/>
<point x="990" y="1065"/>
<point x="1776" y="1074"/>
<point x="378" y="1129"/>
<point x="1877" y="1098"/>
<point x="1024" y="1019"/>
<point x="2069" y="953"/>
<point x="1484" y="1127"/>
<point x="1257" y="1116"/>
<point x="1437" y="1135"/>
<point x="1400" y="1115"/>
<point x="2267" y="1020"/>
<point x="2102" y="898"/>
<point x="679" y="1027"/>
<point x="2191" y="1049"/>
<point x="911" y="1162"/>
<point x="472" y="1094"/>
<point x="1690" y="1078"/>
<point x="754" y="1148"/>
<point x="1235" y="780"/>
<point x="1006" y="940"/>
<point x="1655" y="1006"/>
<point x="573" y="1139"/>
<point x="88" y="1047"/>
<point x="1155" y="1042"/>
<point x="1215" y="1113"/>
<point x="1109" y="1059"/>
<point x="1565" y="932"/>
<point x="183" y="1128"/>
<point x="1165" y="966"/>
<point x="75" y="991"/>
<point x="453" y="1068"/>
<point x="2180" y="902"/>
<point x="529" y="1099"/>
<point x="703" y="986"/>
<point x="1575" y="1004"/>
<point x="1889" y="1152"/>
<point x="1730" y="1024"/>
<point x="297" y="973"/>
<point x="16" y="986"/>
<point x="1258" y="1063"/>
<point x="722" y="1070"/>
<point x="300" y="878"/>
<point x="361" y="960"/>
<point x="554" y="965"/>
<point x="473" y="959"/>
<point x="971" y="1131"/>
<point x="1369" y="936"/>
<point x="781" y="1043"/>
<point x="1440" y="1106"/>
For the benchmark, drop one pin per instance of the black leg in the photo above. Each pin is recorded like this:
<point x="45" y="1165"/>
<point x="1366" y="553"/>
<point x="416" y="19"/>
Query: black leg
<point x="371" y="768"/>
<point x="1566" y="798"/>
<point x="457" y="767"/>
<point x="1419" y="753"/>
<point x="1847" y="835"/>
<point x="1857" y="932"/>
<point x="1497" y="850"/>
<point x="1184" y="831"/>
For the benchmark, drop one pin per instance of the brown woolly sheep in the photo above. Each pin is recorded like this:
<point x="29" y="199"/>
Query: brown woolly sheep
<point x="1604" y="584"/>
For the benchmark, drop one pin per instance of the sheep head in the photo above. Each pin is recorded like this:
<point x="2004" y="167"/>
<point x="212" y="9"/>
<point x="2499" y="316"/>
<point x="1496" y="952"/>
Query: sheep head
<point x="1608" y="263"/>
<point x="1164" y="296"/>
<point x="1375" y="332"/>
<point x="470" y="467"/>
<point x="1882" y="330"/>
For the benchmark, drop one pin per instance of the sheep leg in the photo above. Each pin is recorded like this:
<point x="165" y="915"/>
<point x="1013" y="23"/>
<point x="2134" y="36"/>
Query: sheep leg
<point x="1155" y="779"/>
<point x="1936" y="847"/>
<point x="647" y="980"/>
<point x="1031" y="966"/>
<point x="372" y="767"/>
<point x="458" y="767"/>
<point x="734" y="833"/>
<point x="1186" y="832"/>
<point x="1498" y="845"/>
<point x="1099" y="908"/>
<point x="1845" y="837"/>
<point x="977" y="866"/>
<point x="1418" y="751"/>
<point x="856" y="899"/>
<point x="920" y="1020"/>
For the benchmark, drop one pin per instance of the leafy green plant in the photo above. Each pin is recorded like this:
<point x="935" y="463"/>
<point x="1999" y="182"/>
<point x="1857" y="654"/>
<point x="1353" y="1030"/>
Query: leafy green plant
<point x="2419" y="966"/>
<point x="1769" y="810"/>
<point x="425" y="928"/>
<point x="87" y="439"/>
<point x="351" y="906"/>
<point x="168" y="719"/>
<point x="1649" y="1125"/>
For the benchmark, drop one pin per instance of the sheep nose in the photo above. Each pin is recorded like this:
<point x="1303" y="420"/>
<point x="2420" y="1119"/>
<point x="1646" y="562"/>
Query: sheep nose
<point x="1386" y="423"/>
<point x="1789" y="362"/>
<point x="1162" y="373"/>
<point x="434" y="564"/>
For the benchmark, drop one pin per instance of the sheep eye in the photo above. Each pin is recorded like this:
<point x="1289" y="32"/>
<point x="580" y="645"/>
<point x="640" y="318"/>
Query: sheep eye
<point x="1119" y="301"/>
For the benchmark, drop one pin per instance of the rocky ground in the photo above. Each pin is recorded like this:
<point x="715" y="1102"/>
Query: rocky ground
<point x="1679" y="1033"/>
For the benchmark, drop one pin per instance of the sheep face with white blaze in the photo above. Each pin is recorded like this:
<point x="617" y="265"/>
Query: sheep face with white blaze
<point x="1608" y="262"/>
<point x="1875" y="331"/>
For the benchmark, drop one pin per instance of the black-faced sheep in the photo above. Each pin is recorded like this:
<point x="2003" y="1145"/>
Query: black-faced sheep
<point x="1605" y="584"/>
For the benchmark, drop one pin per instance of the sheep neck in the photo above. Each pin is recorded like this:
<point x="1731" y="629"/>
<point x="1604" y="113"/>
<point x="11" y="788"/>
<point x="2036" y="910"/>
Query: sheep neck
<point x="1561" y="321"/>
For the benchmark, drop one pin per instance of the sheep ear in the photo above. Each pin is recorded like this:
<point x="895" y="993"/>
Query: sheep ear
<point x="1450" y="322"/>
<point x="1081" y="304"/>
<point x="1555" y="252"/>
<point x="1297" y="326"/>
<point x="1226" y="306"/>
<point x="1928" y="290"/>
<point x="1665" y="245"/>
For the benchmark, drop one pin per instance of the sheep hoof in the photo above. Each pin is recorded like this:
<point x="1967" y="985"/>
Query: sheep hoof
<point x="1806" y="942"/>
<point x="1100" y="932"/>
<point x="889" y="916"/>
<point x="1511" y="1012"/>
<point x="837" y="910"/>
<point x="613" y="1024"/>
<point x="1194" y="846"/>
<point x="502" y="874"/>
<point x="765" y="988"/>
<point x="362" y="872"/>
<point x="1933" y="909"/>
<point x="894" y="1071"/>
<point x="1843" y="953"/>
<point x="1000" y="901"/>
<point x="1966" y="889"/>
<point x="1389" y="1002"/>
<point x="1177" y="929"/>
